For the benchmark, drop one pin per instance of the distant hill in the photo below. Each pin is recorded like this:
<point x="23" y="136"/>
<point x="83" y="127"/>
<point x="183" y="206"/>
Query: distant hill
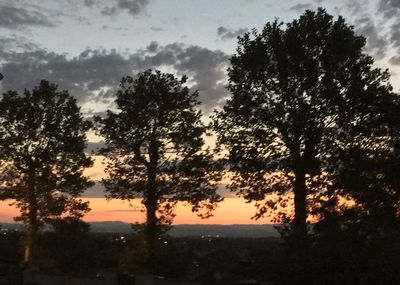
<point x="190" y="230"/>
<point x="194" y="230"/>
<point x="110" y="227"/>
<point x="234" y="231"/>
<point x="11" y="226"/>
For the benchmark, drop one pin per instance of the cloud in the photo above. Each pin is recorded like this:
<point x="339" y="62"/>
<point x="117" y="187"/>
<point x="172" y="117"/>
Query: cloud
<point x="300" y="7"/>
<point x="369" y="25"/>
<point x="224" y="192"/>
<point x="377" y="43"/>
<point x="135" y="210"/>
<point x="109" y="11"/>
<point x="206" y="68"/>
<point x="132" y="7"/>
<point x="96" y="191"/>
<point x="355" y="7"/>
<point x="82" y="75"/>
<point x="15" y="43"/>
<point x="94" y="146"/>
<point x="395" y="60"/>
<point x="16" y="17"/>
<point x="89" y="3"/>
<point x="94" y="74"/>
<point x="156" y="29"/>
<point x="395" y="35"/>
<point x="152" y="47"/>
<point x="389" y="8"/>
<point x="228" y="34"/>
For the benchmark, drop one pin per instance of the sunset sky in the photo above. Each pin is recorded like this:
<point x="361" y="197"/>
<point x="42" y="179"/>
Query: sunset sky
<point x="86" y="46"/>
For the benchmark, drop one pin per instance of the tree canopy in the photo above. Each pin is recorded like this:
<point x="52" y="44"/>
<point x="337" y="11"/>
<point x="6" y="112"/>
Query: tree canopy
<point x="155" y="149"/>
<point x="42" y="142"/>
<point x="306" y="100"/>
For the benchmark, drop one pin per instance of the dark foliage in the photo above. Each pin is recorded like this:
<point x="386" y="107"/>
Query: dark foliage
<point x="42" y="142"/>
<point x="68" y="247"/>
<point x="311" y="122"/>
<point x="154" y="150"/>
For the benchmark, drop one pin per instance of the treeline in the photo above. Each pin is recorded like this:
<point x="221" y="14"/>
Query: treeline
<point x="311" y="124"/>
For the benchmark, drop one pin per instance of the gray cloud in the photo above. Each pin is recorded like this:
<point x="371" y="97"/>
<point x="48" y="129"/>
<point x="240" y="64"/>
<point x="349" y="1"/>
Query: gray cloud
<point x="152" y="47"/>
<point x="94" y="146"/>
<point x="206" y="67"/>
<point x="208" y="70"/>
<point x="300" y="7"/>
<point x="82" y="75"/>
<point x="377" y="43"/>
<point x="109" y="11"/>
<point x="227" y="34"/>
<point x="96" y="191"/>
<point x="355" y="7"/>
<point x="369" y="25"/>
<point x="395" y="60"/>
<point x="156" y="29"/>
<point x="16" y="17"/>
<point x="93" y="75"/>
<point x="389" y="8"/>
<point x="15" y="43"/>
<point x="89" y="3"/>
<point x="225" y="192"/>
<point x="132" y="7"/>
<point x="395" y="35"/>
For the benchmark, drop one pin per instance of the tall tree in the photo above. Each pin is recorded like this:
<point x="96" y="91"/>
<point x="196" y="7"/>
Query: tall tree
<point x="304" y="98"/>
<point x="42" y="142"/>
<point x="154" y="151"/>
<point x="69" y="247"/>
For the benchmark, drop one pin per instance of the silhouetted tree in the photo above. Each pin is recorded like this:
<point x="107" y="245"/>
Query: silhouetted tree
<point x="155" y="142"/>
<point x="42" y="142"/>
<point x="305" y="101"/>
<point x="69" y="247"/>
<point x="354" y="242"/>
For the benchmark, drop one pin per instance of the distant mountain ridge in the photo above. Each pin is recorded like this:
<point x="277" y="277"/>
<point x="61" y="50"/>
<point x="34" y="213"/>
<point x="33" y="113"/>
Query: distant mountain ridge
<point x="232" y="231"/>
<point x="196" y="230"/>
<point x="184" y="230"/>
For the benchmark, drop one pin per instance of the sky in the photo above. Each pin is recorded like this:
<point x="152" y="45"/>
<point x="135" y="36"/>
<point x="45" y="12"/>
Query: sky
<point x="86" y="46"/>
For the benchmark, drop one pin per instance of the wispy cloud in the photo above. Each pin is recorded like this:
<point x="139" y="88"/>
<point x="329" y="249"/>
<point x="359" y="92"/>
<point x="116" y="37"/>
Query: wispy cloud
<point x="110" y="8"/>
<point x="227" y="34"/>
<point x="300" y="7"/>
<point x="13" y="17"/>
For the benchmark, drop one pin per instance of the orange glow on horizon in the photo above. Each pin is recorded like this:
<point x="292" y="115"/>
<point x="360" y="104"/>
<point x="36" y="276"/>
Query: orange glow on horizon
<point x="230" y="211"/>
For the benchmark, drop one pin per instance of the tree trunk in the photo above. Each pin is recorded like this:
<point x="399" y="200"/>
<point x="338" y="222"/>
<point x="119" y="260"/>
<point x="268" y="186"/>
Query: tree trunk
<point x="151" y="203"/>
<point x="298" y="243"/>
<point x="29" y="243"/>
<point x="300" y="205"/>
<point x="33" y="225"/>
<point x="150" y="230"/>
